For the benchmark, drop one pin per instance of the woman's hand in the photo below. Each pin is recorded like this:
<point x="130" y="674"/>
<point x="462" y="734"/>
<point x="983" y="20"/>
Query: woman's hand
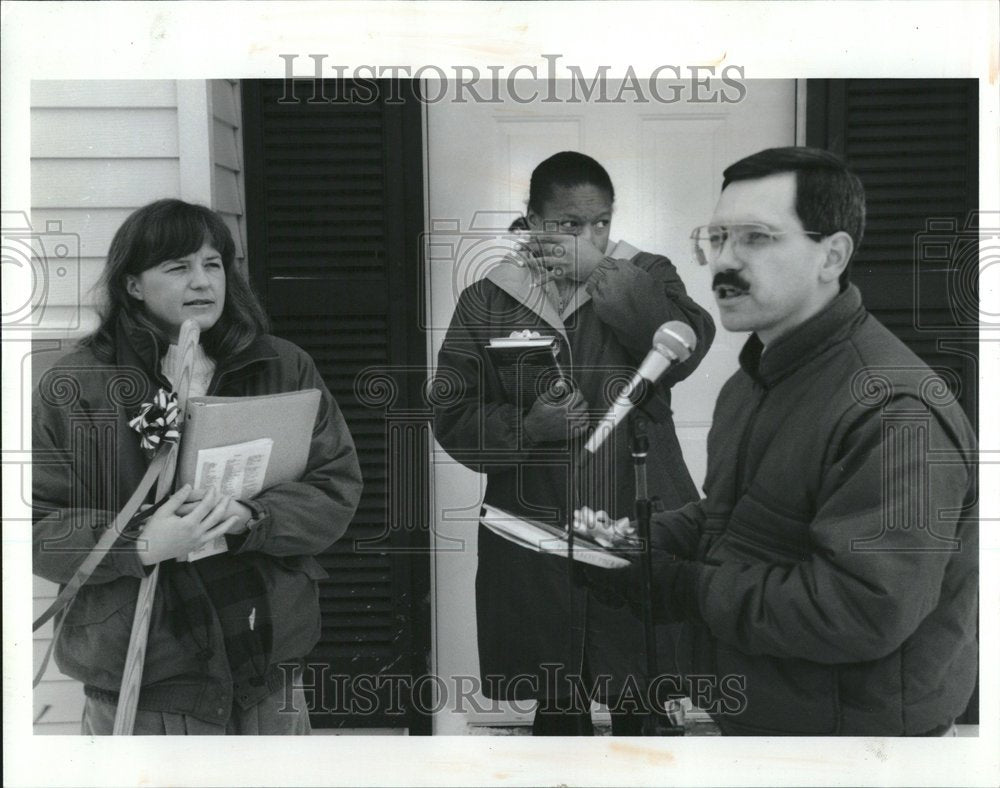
<point x="235" y="509"/>
<point x="530" y="255"/>
<point x="169" y="534"/>
<point x="562" y="256"/>
<point x="554" y="414"/>
<point x="599" y="527"/>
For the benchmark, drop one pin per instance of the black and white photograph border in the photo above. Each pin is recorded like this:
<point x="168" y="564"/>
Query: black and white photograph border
<point x="566" y="71"/>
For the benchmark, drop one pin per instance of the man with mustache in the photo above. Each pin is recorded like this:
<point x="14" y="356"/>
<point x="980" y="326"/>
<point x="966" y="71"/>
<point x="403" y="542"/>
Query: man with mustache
<point x="828" y="580"/>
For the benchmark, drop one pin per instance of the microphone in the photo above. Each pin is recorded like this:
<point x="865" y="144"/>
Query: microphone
<point x="673" y="343"/>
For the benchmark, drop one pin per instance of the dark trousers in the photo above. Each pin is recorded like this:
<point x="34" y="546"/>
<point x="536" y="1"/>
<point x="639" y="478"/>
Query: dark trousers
<point x="571" y="717"/>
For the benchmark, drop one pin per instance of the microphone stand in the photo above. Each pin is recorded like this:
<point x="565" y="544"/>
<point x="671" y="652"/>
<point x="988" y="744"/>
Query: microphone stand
<point x="668" y="721"/>
<point x="656" y="723"/>
<point x="579" y="465"/>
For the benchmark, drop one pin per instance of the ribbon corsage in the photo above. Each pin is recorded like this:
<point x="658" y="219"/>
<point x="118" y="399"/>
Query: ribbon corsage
<point x="157" y="422"/>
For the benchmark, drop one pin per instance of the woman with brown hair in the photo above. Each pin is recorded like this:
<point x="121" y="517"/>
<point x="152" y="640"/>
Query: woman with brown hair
<point x="227" y="630"/>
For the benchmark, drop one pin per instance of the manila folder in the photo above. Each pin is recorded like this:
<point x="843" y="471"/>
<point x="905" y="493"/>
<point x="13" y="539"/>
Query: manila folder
<point x="287" y="419"/>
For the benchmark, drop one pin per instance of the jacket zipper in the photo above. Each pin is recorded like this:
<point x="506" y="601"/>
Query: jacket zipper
<point x="569" y="353"/>
<point x="702" y="644"/>
<point x="741" y="456"/>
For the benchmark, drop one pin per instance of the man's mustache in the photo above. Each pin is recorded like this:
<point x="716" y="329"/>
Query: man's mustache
<point x="730" y="278"/>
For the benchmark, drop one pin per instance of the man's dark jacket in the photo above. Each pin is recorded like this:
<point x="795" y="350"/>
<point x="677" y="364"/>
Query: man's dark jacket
<point x="838" y="539"/>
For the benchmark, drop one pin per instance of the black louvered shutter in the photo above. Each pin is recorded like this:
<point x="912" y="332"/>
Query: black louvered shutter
<point x="914" y="144"/>
<point x="334" y="215"/>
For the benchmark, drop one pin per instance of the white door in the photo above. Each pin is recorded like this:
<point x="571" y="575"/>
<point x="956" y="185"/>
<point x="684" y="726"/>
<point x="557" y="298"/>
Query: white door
<point x="666" y="163"/>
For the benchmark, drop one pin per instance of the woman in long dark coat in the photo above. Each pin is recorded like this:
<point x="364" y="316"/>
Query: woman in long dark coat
<point x="603" y="301"/>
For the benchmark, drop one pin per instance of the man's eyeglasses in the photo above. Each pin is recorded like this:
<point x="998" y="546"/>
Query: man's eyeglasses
<point x="747" y="240"/>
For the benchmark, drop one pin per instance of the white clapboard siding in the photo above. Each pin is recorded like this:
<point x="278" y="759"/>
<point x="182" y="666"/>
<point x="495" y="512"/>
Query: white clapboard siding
<point x="94" y="226"/>
<point x="226" y="154"/>
<point x="104" y="133"/>
<point x="228" y="198"/>
<point x="71" y="285"/>
<point x="102" y="183"/>
<point x="227" y="160"/>
<point x="104" y="93"/>
<point x="99" y="150"/>
<point x="225" y="102"/>
<point x="57" y="702"/>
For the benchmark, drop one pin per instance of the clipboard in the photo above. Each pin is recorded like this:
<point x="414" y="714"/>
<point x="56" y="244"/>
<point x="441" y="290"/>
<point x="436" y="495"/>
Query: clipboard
<point x="543" y="538"/>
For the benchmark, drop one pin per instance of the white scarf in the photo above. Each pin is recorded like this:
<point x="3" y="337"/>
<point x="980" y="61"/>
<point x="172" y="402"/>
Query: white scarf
<point x="201" y="370"/>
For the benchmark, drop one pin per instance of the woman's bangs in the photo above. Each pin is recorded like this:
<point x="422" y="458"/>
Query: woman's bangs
<point x="177" y="234"/>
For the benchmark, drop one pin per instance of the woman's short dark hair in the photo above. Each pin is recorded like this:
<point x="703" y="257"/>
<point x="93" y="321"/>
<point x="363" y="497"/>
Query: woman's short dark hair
<point x="828" y="196"/>
<point x="566" y="170"/>
<point x="166" y="230"/>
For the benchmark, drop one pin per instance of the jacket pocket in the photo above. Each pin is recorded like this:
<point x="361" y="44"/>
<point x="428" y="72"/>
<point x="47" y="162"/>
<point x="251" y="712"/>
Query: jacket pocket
<point x="309" y="565"/>
<point x="779" y="696"/>
<point x="293" y="598"/>
<point x="95" y="604"/>
<point x="95" y="635"/>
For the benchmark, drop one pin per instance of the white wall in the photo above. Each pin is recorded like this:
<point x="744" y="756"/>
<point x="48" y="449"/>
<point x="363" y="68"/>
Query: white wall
<point x="99" y="150"/>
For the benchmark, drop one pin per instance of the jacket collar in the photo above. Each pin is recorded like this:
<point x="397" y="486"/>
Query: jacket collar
<point x="515" y="279"/>
<point x="801" y="345"/>
<point x="138" y="346"/>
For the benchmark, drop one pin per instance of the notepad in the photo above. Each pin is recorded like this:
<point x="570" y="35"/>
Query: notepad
<point x="527" y="366"/>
